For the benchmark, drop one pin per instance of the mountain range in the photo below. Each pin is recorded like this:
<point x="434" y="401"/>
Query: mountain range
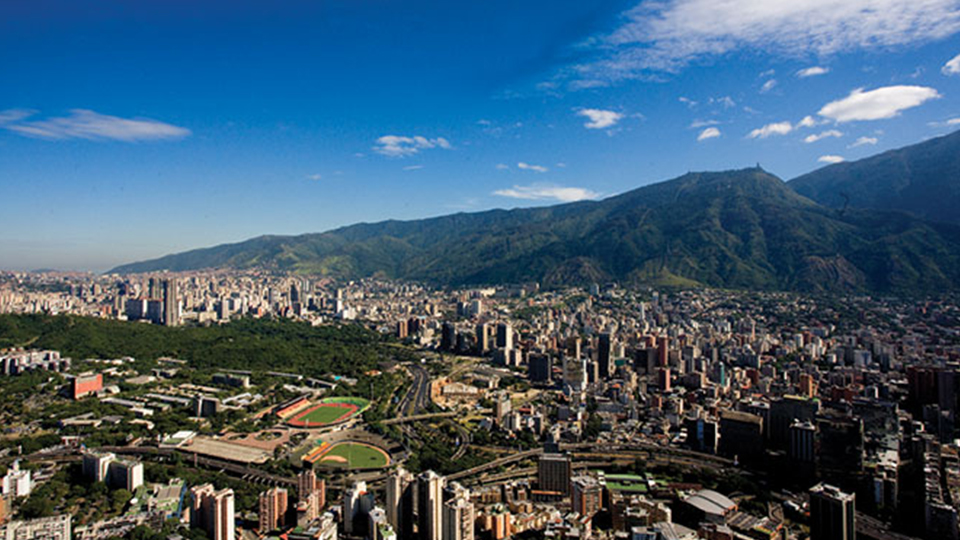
<point x="744" y="229"/>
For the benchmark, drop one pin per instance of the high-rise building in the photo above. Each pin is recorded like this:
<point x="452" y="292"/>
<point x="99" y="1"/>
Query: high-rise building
<point x="663" y="351"/>
<point x="803" y="437"/>
<point x="401" y="502"/>
<point x="784" y="412"/>
<point x="603" y="355"/>
<point x="483" y="338"/>
<point x="540" y="368"/>
<point x="307" y="483"/>
<point x="504" y="336"/>
<point x="741" y="435"/>
<point x="553" y="473"/>
<point x="124" y="474"/>
<point x="430" y="505"/>
<point x="273" y="508"/>
<point x="832" y="514"/>
<point x="213" y="511"/>
<point x="153" y="289"/>
<point x="448" y="336"/>
<point x="354" y="506"/>
<point x="586" y="496"/>
<point x="96" y="465"/>
<point x="458" y="514"/>
<point x="17" y="482"/>
<point x="171" y="303"/>
<point x="663" y="379"/>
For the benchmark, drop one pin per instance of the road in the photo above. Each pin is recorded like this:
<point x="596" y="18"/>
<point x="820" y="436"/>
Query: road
<point x="418" y="396"/>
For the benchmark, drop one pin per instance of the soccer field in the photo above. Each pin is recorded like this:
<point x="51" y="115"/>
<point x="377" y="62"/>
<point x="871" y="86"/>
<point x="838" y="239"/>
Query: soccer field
<point x="323" y="414"/>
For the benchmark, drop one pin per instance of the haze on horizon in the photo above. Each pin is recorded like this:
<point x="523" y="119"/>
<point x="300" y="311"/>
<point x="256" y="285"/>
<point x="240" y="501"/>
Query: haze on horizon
<point x="129" y="131"/>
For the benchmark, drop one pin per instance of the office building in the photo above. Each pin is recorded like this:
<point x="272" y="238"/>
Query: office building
<point x="603" y="356"/>
<point x="504" y="336"/>
<point x="832" y="514"/>
<point x="553" y="474"/>
<point x="741" y="435"/>
<point x="540" y="368"/>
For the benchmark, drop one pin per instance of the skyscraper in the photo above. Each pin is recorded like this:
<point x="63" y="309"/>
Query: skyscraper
<point x="273" y="508"/>
<point x="171" y="303"/>
<point x="430" y="505"/>
<point x="504" y="336"/>
<point x="832" y="514"/>
<point x="458" y="513"/>
<point x="401" y="494"/>
<point x="603" y="355"/>
<point x="483" y="338"/>
<point x="352" y="505"/>
<point x="213" y="511"/>
<point x="308" y="484"/>
<point x="663" y="351"/>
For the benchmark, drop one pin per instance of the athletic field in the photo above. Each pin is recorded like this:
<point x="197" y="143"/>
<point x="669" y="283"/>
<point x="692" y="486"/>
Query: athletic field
<point x="354" y="455"/>
<point x="328" y="411"/>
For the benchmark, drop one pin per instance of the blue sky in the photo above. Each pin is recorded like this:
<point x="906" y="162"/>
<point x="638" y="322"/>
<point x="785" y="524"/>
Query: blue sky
<point x="129" y="130"/>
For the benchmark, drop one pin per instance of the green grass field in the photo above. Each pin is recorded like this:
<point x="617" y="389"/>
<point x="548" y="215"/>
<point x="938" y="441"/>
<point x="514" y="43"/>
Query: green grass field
<point x="355" y="456"/>
<point x="324" y="415"/>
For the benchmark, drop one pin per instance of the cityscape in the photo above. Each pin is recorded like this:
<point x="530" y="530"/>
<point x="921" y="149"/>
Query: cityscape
<point x="368" y="270"/>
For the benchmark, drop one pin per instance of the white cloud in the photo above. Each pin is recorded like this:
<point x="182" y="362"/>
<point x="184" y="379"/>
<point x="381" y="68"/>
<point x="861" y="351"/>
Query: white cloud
<point x="529" y="167"/>
<point x="953" y="121"/>
<point x="413" y="167"/>
<point x="812" y="72"/>
<point x="882" y="103"/>
<point x="90" y="125"/>
<point x="768" y="86"/>
<point x="687" y="101"/>
<point x="403" y="146"/>
<point x="709" y="133"/>
<point x="14" y="115"/>
<point x="808" y="121"/>
<point x="726" y="101"/>
<point x="502" y="166"/>
<point x="697" y="124"/>
<point x="600" y="119"/>
<point x="831" y="159"/>
<point x="822" y="135"/>
<point x="952" y="67"/>
<point x="316" y="176"/>
<point x="668" y="35"/>
<point x="543" y="192"/>
<point x="864" y="141"/>
<point x="778" y="128"/>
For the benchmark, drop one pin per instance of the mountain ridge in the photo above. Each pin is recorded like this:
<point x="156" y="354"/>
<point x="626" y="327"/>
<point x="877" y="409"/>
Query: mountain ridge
<point x="734" y="229"/>
<point x="922" y="179"/>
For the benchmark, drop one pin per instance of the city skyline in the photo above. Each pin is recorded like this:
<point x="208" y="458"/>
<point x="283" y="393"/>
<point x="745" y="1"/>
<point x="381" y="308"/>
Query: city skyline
<point x="136" y="131"/>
